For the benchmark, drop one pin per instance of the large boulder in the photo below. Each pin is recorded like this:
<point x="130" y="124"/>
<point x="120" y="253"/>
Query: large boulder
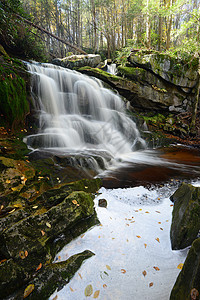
<point x="176" y="71"/>
<point x="188" y="282"/>
<point x="186" y="216"/>
<point x="78" y="61"/>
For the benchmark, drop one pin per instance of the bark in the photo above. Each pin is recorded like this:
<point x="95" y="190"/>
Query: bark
<point x="196" y="102"/>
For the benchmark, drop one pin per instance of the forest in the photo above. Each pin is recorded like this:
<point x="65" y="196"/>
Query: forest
<point x="98" y="26"/>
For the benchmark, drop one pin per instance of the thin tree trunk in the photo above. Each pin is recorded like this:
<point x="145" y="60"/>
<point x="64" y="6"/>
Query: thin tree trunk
<point x="196" y="103"/>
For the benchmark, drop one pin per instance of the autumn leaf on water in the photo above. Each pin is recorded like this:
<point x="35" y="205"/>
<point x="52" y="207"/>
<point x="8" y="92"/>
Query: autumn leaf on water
<point x="138" y="236"/>
<point x="161" y="228"/>
<point x="140" y="209"/>
<point x="180" y="266"/>
<point x="88" y="290"/>
<point x="150" y="284"/>
<point x="159" y="222"/>
<point x="39" y="267"/>
<point x="71" y="289"/>
<point x="28" y="290"/>
<point x="104" y="285"/>
<point x="80" y="275"/>
<point x="156" y="268"/>
<point x="157" y="211"/>
<point x="96" y="294"/>
<point x="158" y="240"/>
<point x="145" y="245"/>
<point x="82" y="235"/>
<point x="123" y="271"/>
<point x="55" y="298"/>
<point x="108" y="267"/>
<point x="146" y="212"/>
<point x="144" y="273"/>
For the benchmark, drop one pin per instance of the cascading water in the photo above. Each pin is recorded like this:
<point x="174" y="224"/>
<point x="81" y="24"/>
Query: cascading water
<point x="77" y="115"/>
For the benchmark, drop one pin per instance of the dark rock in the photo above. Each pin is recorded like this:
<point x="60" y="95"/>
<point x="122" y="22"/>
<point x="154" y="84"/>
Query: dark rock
<point x="102" y="203"/>
<point x="189" y="277"/>
<point x="186" y="216"/>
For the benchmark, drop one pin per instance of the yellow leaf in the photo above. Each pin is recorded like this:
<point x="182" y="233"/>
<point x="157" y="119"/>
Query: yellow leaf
<point x="146" y="212"/>
<point x="22" y="255"/>
<point x="150" y="284"/>
<point x="144" y="273"/>
<point x="71" y="289"/>
<point x="74" y="202"/>
<point x="42" y="232"/>
<point x="8" y="181"/>
<point x="2" y="207"/>
<point x="18" y="205"/>
<point x="28" y="290"/>
<point x="140" y="209"/>
<point x="123" y="271"/>
<point x="3" y="260"/>
<point x="35" y="206"/>
<point x="108" y="267"/>
<point x="10" y="212"/>
<point x="88" y="290"/>
<point x="145" y="245"/>
<point x="82" y="235"/>
<point x="138" y="236"/>
<point x="156" y="268"/>
<point x="180" y="266"/>
<point x="26" y="253"/>
<point x="158" y="240"/>
<point x="48" y="224"/>
<point x="96" y="294"/>
<point x="80" y="275"/>
<point x="159" y="222"/>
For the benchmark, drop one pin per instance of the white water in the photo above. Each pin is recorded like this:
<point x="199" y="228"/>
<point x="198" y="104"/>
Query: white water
<point x="134" y="236"/>
<point x="77" y="114"/>
<point x="112" y="69"/>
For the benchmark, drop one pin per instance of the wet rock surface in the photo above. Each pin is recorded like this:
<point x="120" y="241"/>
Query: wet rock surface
<point x="188" y="284"/>
<point x="185" y="217"/>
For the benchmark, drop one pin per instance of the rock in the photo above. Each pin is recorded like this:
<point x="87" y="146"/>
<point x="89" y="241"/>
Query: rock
<point x="56" y="275"/>
<point x="176" y="71"/>
<point x="185" y="216"/>
<point x="102" y="203"/>
<point x="78" y="61"/>
<point x="188" y="283"/>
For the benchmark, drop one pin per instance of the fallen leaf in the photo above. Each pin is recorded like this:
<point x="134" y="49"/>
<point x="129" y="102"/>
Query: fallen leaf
<point x="82" y="235"/>
<point x="2" y="207"/>
<point x="39" y="267"/>
<point x="59" y="257"/>
<point x="3" y="260"/>
<point x="80" y="275"/>
<point x="35" y="207"/>
<point x="158" y="211"/>
<point x="161" y="228"/>
<point x="150" y="284"/>
<point x="138" y="236"/>
<point x="99" y="236"/>
<point x="48" y="224"/>
<point x="132" y="221"/>
<point x="28" y="290"/>
<point x="180" y="266"/>
<point x="144" y="273"/>
<point x="156" y="268"/>
<point x="146" y="212"/>
<point x="104" y="285"/>
<point x="10" y="212"/>
<point x="71" y="289"/>
<point x="127" y="224"/>
<point x="136" y="210"/>
<point x="88" y="290"/>
<point x="158" y="240"/>
<point x="22" y="255"/>
<point x="74" y="202"/>
<point x="96" y="294"/>
<point x="123" y="271"/>
<point x="158" y="198"/>
<point x="172" y="205"/>
<point x="140" y="209"/>
<point x="42" y="232"/>
<point x="167" y="220"/>
<point x="8" y="181"/>
<point x="108" y="267"/>
<point x="145" y="245"/>
<point x="159" y="222"/>
<point x="55" y="298"/>
<point x="26" y="253"/>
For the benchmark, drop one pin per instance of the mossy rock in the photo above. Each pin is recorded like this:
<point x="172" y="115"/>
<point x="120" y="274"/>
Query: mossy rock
<point x="185" y="216"/>
<point x="189" y="277"/>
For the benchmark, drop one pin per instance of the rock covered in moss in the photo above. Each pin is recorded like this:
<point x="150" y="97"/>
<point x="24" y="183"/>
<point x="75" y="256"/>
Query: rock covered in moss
<point x="186" y="216"/>
<point x="188" y="280"/>
<point x="176" y="71"/>
<point x="78" y="61"/>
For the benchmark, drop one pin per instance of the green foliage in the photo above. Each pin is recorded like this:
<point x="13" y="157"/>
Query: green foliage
<point x="13" y="100"/>
<point x="121" y="56"/>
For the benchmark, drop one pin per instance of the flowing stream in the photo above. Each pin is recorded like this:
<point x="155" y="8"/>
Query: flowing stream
<point x="133" y="259"/>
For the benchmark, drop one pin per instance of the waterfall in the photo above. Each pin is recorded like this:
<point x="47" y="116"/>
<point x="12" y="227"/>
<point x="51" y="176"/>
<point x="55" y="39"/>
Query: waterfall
<point x="77" y="115"/>
<point x="112" y="69"/>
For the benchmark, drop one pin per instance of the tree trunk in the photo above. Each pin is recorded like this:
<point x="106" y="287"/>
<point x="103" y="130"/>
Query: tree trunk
<point x="196" y="103"/>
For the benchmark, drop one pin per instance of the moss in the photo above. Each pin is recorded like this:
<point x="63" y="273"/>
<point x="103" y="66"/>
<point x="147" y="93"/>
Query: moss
<point x="99" y="72"/>
<point x="13" y="105"/>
